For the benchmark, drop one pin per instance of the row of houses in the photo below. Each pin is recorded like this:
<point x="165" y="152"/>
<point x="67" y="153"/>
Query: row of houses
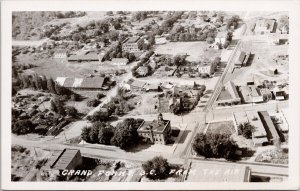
<point x="267" y="26"/>
<point x="233" y="95"/>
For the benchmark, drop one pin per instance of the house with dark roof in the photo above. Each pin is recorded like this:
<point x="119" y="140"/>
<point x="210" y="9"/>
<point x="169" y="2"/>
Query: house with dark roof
<point x="67" y="159"/>
<point x="242" y="59"/>
<point x="156" y="131"/>
<point x="132" y="44"/>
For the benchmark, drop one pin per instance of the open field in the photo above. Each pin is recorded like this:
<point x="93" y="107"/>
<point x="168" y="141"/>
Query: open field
<point x="224" y="127"/>
<point x="263" y="64"/>
<point x="196" y="51"/>
<point x="146" y="105"/>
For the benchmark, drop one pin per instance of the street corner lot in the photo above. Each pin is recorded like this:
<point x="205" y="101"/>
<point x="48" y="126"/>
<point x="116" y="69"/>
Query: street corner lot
<point x="265" y="61"/>
<point x="196" y="51"/>
<point x="221" y="127"/>
<point x="146" y="103"/>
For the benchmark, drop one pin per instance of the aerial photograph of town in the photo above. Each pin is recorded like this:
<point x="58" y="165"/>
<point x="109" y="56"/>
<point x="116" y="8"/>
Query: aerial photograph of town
<point x="150" y="96"/>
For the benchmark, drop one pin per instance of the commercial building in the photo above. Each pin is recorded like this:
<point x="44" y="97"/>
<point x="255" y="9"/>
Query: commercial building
<point x="68" y="159"/>
<point x="242" y="59"/>
<point x="229" y="95"/>
<point x="272" y="133"/>
<point x="92" y="84"/>
<point x="264" y="26"/>
<point x="156" y="131"/>
<point x="213" y="172"/>
<point x="250" y="94"/>
<point x="132" y="44"/>
<point x="206" y="68"/>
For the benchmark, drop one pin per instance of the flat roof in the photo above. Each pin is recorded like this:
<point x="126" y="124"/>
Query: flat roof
<point x="213" y="172"/>
<point x="254" y="120"/>
<point x="156" y="126"/>
<point x="240" y="117"/>
<point x="269" y="123"/>
<point x="63" y="160"/>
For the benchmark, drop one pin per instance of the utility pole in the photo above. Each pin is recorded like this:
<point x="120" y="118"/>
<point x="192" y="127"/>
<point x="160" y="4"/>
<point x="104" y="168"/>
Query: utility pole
<point x="65" y="136"/>
<point x="35" y="151"/>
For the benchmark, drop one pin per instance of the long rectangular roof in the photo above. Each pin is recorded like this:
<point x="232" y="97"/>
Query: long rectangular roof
<point x="269" y="123"/>
<point x="94" y="82"/>
<point x="254" y="120"/>
<point x="63" y="160"/>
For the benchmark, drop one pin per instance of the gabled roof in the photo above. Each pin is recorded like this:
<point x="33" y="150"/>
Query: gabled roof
<point x="137" y="83"/>
<point x="63" y="160"/>
<point x="95" y="82"/>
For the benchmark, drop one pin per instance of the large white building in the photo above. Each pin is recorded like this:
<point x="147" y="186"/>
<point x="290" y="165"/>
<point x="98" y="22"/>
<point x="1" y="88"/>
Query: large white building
<point x="206" y="68"/>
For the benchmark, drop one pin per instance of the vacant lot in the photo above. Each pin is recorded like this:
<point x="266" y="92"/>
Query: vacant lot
<point x="146" y="105"/>
<point x="224" y="127"/>
<point x="196" y="51"/>
<point x="265" y="61"/>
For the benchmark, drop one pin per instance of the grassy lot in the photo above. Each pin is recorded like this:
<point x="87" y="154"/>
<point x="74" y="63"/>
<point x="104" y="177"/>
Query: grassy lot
<point x="274" y="156"/>
<point x="224" y="127"/>
<point x="146" y="104"/>
<point x="196" y="50"/>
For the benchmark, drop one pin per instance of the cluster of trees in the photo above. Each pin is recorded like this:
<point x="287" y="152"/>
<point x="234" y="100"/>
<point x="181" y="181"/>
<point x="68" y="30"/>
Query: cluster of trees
<point x="169" y="21"/>
<point x="93" y="103"/>
<point x="22" y="127"/>
<point x="206" y="34"/>
<point x="57" y="105"/>
<point x="101" y="115"/>
<point x="116" y="52"/>
<point x="212" y="145"/>
<point x="124" y="135"/>
<point x="119" y="104"/>
<point x="141" y="15"/>
<point x="228" y="39"/>
<point x="157" y="168"/>
<point x="41" y="83"/>
<point x="246" y="129"/>
<point x="233" y="21"/>
<point x="143" y="62"/>
<point x="70" y="14"/>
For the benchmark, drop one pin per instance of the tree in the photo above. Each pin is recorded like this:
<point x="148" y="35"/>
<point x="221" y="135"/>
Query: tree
<point x="53" y="106"/>
<point x="276" y="72"/>
<point x="126" y="133"/>
<point x="246" y="129"/>
<point x="85" y="134"/>
<point x="93" y="103"/>
<point x="157" y="168"/>
<point x="100" y="96"/>
<point x="179" y="60"/>
<point x="215" y="146"/>
<point x="76" y="37"/>
<point x="51" y="86"/>
<point x="105" y="135"/>
<point x="71" y="111"/>
<point x="22" y="127"/>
